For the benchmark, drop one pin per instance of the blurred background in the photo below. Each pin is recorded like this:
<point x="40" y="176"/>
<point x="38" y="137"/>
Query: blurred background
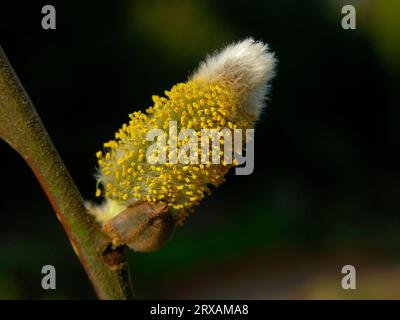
<point x="326" y="186"/>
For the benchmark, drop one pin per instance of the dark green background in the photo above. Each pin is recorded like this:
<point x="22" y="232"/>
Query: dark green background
<point x="325" y="190"/>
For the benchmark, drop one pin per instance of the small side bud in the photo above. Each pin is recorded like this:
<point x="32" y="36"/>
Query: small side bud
<point x="143" y="227"/>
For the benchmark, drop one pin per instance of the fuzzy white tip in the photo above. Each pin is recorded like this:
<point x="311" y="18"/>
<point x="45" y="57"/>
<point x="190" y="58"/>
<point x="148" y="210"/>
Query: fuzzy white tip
<point x="246" y="67"/>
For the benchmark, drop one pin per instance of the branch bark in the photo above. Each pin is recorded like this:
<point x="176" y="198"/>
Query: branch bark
<point x="22" y="129"/>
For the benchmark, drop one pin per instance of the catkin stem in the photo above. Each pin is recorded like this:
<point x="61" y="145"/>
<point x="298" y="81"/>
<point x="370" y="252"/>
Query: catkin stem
<point x="22" y="129"/>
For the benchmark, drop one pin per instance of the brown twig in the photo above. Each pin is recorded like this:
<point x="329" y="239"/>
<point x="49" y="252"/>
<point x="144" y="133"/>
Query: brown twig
<point x="22" y="129"/>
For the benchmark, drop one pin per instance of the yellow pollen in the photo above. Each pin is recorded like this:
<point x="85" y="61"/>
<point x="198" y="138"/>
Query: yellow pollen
<point x="127" y="176"/>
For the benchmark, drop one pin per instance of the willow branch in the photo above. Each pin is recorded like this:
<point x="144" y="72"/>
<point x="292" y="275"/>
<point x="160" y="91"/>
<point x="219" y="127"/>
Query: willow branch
<point x="22" y="129"/>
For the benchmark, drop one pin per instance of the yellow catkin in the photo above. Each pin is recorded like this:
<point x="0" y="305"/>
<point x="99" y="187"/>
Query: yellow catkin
<point x="127" y="176"/>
